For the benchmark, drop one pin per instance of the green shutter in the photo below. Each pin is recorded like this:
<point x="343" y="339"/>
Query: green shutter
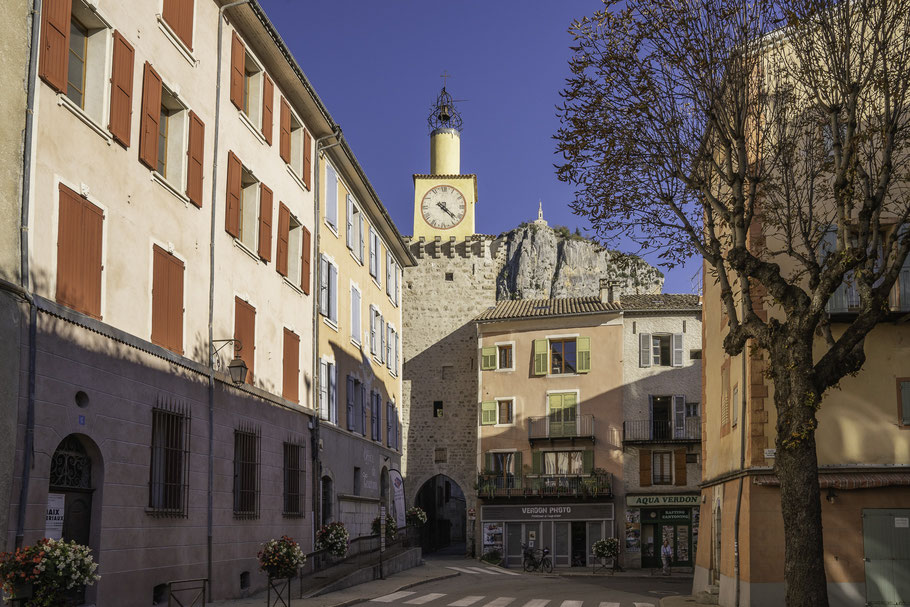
<point x="536" y="458"/>
<point x="517" y="471"/>
<point x="588" y="461"/>
<point x="541" y="359"/>
<point x="488" y="413"/>
<point x="488" y="358"/>
<point x="905" y="402"/>
<point x="583" y="354"/>
<point x="487" y="463"/>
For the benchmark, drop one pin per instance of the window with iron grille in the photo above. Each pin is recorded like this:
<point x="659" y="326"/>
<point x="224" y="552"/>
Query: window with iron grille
<point x="246" y="473"/>
<point x="168" y="477"/>
<point x="294" y="493"/>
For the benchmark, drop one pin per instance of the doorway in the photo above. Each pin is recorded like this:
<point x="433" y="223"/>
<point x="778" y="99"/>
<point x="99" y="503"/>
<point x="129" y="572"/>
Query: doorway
<point x="886" y="537"/>
<point x="444" y="502"/>
<point x="578" y="544"/>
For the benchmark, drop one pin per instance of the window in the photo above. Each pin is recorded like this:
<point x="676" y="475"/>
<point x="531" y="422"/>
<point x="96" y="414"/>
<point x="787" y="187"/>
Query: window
<point x="75" y="81"/>
<point x="392" y="426"/>
<point x="375" y="252"/>
<point x="357" y="480"/>
<point x="437" y="408"/>
<point x="505" y="356"/>
<point x="328" y="290"/>
<point x="295" y="144"/>
<point x="328" y="409"/>
<point x="691" y="458"/>
<point x="355" y="394"/>
<point x="289" y="256"/>
<point x="562" y="356"/>
<point x="903" y="394"/>
<point x="294" y="480"/>
<point x="167" y="300"/>
<point x="441" y="455"/>
<point x="502" y="463"/>
<point x="695" y="354"/>
<point x="692" y="409"/>
<point x="246" y="473"/>
<point x="331" y="197"/>
<point x="298" y="146"/>
<point x="377" y="333"/>
<point x="178" y="14"/>
<point x="450" y="276"/>
<point x="356" y="313"/>
<point x="355" y="227"/>
<point x="504" y="411"/>
<point x="248" y="216"/>
<point x="245" y="334"/>
<point x="169" y="467"/>
<point x="376" y="417"/>
<point x="172" y="131"/>
<point x="563" y="462"/>
<point x="290" y="388"/>
<point x="661" y="468"/>
<point x="249" y="209"/>
<point x="79" y="250"/>
<point x="660" y="350"/>
<point x="252" y="90"/>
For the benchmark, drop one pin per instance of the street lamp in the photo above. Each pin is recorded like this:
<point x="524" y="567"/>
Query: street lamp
<point x="237" y="367"/>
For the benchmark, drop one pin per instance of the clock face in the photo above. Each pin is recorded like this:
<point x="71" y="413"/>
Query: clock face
<point x="443" y="207"/>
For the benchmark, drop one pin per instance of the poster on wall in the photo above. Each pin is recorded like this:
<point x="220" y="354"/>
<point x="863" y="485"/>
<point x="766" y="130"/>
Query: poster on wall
<point x="682" y="543"/>
<point x="633" y="530"/>
<point x="398" y="500"/>
<point x="492" y="538"/>
<point x="53" y="520"/>
<point x="696" y="513"/>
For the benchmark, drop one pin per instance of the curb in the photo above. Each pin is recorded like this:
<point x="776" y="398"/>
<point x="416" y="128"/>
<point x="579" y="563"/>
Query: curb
<point x="361" y="599"/>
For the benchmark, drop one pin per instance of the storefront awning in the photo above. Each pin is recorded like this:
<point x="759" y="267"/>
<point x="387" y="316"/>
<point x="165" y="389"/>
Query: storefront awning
<point x="846" y="480"/>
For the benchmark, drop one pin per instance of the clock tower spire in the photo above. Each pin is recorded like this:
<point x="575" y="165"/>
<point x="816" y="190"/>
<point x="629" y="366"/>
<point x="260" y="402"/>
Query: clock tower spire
<point x="444" y="199"/>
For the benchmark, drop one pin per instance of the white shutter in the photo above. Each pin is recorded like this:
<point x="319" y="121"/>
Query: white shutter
<point x="388" y="273"/>
<point x="362" y="224"/>
<point x="397" y="285"/>
<point x="355" y="314"/>
<point x="349" y="233"/>
<point x="679" y="416"/>
<point x="333" y="293"/>
<point x="372" y="330"/>
<point x="349" y="399"/>
<point x="333" y="393"/>
<point x="677" y="349"/>
<point x="644" y="345"/>
<point x="323" y="390"/>
<point x="324" y="286"/>
<point x="382" y="338"/>
<point x="331" y="196"/>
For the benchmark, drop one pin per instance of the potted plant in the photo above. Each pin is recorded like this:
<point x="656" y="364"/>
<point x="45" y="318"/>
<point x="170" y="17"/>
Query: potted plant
<point x="333" y="538"/>
<point x="281" y="558"/>
<point x="45" y="573"/>
<point x="415" y="516"/>
<point x="607" y="548"/>
<point x="391" y="527"/>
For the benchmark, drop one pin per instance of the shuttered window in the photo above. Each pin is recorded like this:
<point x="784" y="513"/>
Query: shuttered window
<point x="677" y="346"/>
<point x="488" y="413"/>
<point x="167" y="300"/>
<point x="284" y="227"/>
<point x="245" y="333"/>
<point x="679" y="461"/>
<point x="644" y="467"/>
<point x="178" y="14"/>
<point x="488" y="358"/>
<point x="234" y="186"/>
<point x="79" y="242"/>
<point x="268" y="94"/>
<point x="541" y="356"/>
<point x="644" y="349"/>
<point x="305" y="262"/>
<point x="121" y="90"/>
<point x="284" y="135"/>
<point x="307" y="159"/>
<point x="150" y="118"/>
<point x="195" y="154"/>
<point x="661" y="467"/>
<point x="583" y="353"/>
<point x="55" y="43"/>
<point x="265" y="222"/>
<point x="238" y="60"/>
<point x="291" y="364"/>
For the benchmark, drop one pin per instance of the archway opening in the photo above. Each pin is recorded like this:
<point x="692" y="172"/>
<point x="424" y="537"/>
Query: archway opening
<point x="444" y="502"/>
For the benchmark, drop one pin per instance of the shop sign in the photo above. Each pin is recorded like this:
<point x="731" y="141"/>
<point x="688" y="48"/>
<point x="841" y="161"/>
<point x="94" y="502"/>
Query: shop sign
<point x="675" y="515"/>
<point x="662" y="500"/>
<point x="548" y="512"/>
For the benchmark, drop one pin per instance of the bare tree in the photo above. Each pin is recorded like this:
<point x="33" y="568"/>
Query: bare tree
<point x="770" y="138"/>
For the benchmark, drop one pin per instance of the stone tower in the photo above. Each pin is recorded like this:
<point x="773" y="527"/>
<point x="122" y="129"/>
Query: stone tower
<point x="454" y="280"/>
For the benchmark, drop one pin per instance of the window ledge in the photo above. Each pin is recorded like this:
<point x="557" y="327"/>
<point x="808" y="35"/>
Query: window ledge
<point x="296" y="177"/>
<point x="253" y="128"/>
<point x="503" y="425"/>
<point x="161" y="179"/>
<point x="184" y="50"/>
<point x="246" y="249"/>
<point x="292" y="285"/>
<point x="377" y="283"/>
<point x="558" y="375"/>
<point x="331" y="228"/>
<point x="330" y="323"/>
<point x="356" y="344"/>
<point x="509" y="370"/>
<point x="84" y="117"/>
<point x="354" y="257"/>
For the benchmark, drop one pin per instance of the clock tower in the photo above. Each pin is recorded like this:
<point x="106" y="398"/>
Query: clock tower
<point x="444" y="199"/>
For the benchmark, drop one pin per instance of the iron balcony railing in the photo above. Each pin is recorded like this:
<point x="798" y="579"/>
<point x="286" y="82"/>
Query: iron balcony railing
<point x="598" y="484"/>
<point x="845" y="299"/>
<point x="549" y="427"/>
<point x="648" y="430"/>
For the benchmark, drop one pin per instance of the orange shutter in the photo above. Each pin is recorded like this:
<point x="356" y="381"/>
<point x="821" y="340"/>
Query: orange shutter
<point x="121" y="90"/>
<point x="195" y="151"/>
<point x="92" y="230"/>
<point x="238" y="59"/>
<point x="291" y="366"/>
<point x="175" y="304"/>
<point x="160" y="284"/>
<point x="232" y="208"/>
<point x="268" y="94"/>
<point x="307" y="158"/>
<point x="186" y="22"/>
<point x="69" y="229"/>
<point x="305" y="261"/>
<point x="679" y="457"/>
<point x="265" y="222"/>
<point x="55" y="42"/>
<point x="284" y="140"/>
<point x="644" y="467"/>
<point x="245" y="332"/>
<point x="284" y="227"/>
<point x="151" y="115"/>
<point x="171" y="13"/>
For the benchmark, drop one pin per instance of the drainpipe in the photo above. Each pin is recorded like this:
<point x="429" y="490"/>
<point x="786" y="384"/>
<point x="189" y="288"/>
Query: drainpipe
<point x="24" y="271"/>
<point x="314" y="432"/>
<point x="211" y="361"/>
<point x="742" y="466"/>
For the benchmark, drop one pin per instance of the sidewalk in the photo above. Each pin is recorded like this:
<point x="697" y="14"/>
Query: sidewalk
<point x="428" y="572"/>
<point x="627" y="573"/>
<point x="678" y="601"/>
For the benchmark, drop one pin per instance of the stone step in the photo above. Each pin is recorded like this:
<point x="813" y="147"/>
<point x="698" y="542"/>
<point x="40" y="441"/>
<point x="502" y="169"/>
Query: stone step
<point x="713" y="589"/>
<point x="706" y="598"/>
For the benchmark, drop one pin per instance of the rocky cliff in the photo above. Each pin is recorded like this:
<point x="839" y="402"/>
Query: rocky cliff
<point x="541" y="262"/>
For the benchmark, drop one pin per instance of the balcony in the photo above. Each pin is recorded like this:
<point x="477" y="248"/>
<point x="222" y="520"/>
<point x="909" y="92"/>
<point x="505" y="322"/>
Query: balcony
<point x="653" y="431"/>
<point x="548" y="428"/>
<point x="845" y="299"/>
<point x="538" y="485"/>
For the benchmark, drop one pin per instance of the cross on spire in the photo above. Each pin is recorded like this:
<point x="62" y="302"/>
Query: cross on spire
<point x="445" y="77"/>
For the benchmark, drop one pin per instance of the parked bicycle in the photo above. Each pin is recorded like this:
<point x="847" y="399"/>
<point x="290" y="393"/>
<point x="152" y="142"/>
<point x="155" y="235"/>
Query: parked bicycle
<point x="536" y="559"/>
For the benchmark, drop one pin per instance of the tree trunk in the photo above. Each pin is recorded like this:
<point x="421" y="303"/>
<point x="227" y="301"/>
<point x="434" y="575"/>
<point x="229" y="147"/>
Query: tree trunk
<point x="796" y="466"/>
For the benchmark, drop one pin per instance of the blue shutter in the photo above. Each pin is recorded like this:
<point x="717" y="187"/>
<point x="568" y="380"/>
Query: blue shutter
<point x="333" y="293"/>
<point x="349" y="397"/>
<point x="349" y="232"/>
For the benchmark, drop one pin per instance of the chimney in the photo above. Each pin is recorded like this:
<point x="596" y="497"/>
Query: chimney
<point x="606" y="290"/>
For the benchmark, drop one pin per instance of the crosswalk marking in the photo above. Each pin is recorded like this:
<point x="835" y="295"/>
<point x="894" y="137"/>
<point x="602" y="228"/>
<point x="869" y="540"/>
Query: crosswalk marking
<point x="461" y="570"/>
<point x="572" y="604"/>
<point x="537" y="603"/>
<point x="392" y="597"/>
<point x="479" y="570"/>
<point x="424" y="599"/>
<point x="506" y="571"/>
<point x="466" y="601"/>
<point x="609" y="605"/>
<point x="643" y="604"/>
<point x="500" y="602"/>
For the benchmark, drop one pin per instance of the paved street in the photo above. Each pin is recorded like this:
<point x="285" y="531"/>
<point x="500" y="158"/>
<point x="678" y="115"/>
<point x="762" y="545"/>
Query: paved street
<point x="480" y="585"/>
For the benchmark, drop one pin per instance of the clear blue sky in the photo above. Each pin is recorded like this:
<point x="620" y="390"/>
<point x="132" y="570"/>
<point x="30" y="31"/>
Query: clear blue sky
<point x="377" y="65"/>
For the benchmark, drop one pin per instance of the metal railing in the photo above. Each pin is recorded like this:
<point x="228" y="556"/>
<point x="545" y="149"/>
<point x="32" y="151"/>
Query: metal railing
<point x="644" y="430"/>
<point x="598" y="484"/>
<point x="548" y="427"/>
<point x="187" y="593"/>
